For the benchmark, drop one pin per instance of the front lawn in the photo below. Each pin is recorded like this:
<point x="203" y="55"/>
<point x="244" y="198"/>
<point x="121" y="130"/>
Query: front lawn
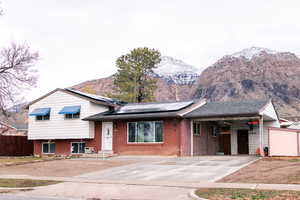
<point x="268" y="170"/>
<point x="10" y="160"/>
<point x="246" y="194"/>
<point x="20" y="183"/>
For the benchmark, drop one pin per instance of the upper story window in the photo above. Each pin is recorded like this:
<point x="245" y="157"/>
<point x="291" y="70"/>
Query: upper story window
<point x="145" y="132"/>
<point x="44" y="117"/>
<point x="71" y="112"/>
<point x="41" y="114"/>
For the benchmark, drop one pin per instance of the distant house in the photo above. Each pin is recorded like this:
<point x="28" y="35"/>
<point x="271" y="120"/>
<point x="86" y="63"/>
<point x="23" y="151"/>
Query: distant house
<point x="13" y="129"/>
<point x="295" y="125"/>
<point x="66" y="122"/>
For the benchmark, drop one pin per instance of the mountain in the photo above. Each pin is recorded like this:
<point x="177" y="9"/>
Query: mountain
<point x="176" y="71"/>
<point x="248" y="74"/>
<point x="174" y="80"/>
<point x="254" y="73"/>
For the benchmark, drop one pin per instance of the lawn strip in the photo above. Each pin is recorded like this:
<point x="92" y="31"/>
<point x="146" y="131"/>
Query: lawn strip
<point x="246" y="194"/>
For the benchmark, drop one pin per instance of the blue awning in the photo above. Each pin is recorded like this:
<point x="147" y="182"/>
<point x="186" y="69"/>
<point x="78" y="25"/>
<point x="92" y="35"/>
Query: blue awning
<point x="70" y="110"/>
<point x="40" y="112"/>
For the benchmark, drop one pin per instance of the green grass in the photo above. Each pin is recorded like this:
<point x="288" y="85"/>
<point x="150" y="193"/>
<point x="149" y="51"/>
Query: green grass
<point x="20" y="183"/>
<point x="294" y="160"/>
<point x="246" y="194"/>
<point x="4" y="160"/>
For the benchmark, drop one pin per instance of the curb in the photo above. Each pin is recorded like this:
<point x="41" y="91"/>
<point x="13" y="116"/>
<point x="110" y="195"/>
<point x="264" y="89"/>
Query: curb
<point x="192" y="195"/>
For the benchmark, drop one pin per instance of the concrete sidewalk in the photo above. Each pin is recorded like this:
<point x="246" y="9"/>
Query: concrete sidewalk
<point x="189" y="185"/>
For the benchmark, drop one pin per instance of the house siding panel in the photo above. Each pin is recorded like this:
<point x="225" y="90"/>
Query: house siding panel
<point x="185" y="137"/>
<point x="206" y="144"/>
<point x="59" y="128"/>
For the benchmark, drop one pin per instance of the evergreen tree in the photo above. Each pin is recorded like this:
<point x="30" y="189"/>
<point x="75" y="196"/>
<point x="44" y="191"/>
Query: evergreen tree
<point x="134" y="81"/>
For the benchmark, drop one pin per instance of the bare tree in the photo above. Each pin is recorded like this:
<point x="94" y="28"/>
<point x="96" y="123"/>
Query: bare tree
<point x="16" y="73"/>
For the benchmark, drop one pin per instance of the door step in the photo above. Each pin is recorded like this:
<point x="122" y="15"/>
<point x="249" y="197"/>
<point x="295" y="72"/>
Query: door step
<point x="100" y="154"/>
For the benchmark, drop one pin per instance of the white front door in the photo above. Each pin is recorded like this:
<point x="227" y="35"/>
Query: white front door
<point x="107" y="136"/>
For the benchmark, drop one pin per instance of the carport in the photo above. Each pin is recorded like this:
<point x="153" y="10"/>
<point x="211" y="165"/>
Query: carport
<point x="231" y="128"/>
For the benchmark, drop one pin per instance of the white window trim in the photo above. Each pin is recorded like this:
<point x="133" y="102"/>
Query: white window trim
<point x="78" y="149"/>
<point x="48" y="147"/>
<point x="144" y="142"/>
<point x="200" y="128"/>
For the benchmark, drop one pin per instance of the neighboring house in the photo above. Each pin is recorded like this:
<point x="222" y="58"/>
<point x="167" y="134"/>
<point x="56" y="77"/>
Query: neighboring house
<point x="15" y="129"/>
<point x="285" y="123"/>
<point x="65" y="122"/>
<point x="295" y="125"/>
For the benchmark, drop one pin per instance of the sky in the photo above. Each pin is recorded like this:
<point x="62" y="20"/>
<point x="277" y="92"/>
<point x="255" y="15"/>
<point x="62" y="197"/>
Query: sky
<point x="79" y="40"/>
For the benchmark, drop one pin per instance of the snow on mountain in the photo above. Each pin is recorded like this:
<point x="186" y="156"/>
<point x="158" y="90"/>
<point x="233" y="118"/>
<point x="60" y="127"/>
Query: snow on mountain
<point x="176" y="71"/>
<point x="249" y="53"/>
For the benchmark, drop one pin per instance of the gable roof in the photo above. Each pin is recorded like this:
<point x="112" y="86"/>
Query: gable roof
<point x="90" y="97"/>
<point x="229" y="108"/>
<point x="146" y="110"/>
<point x="16" y="125"/>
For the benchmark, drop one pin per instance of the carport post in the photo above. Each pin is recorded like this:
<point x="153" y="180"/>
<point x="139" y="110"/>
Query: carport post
<point x="261" y="135"/>
<point x="192" y="137"/>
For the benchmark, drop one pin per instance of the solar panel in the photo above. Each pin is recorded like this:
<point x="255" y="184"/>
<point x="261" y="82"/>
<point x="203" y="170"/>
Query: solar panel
<point x="153" y="107"/>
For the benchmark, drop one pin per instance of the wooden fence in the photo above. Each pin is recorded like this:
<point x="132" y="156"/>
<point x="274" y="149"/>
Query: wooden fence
<point x="15" y="146"/>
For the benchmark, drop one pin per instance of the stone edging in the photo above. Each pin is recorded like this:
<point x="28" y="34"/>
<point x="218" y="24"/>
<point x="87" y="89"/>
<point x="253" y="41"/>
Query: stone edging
<point x="192" y="195"/>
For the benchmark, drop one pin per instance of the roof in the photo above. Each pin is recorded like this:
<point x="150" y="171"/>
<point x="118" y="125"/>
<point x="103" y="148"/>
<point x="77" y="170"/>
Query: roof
<point x="295" y="125"/>
<point x="229" y="108"/>
<point x="90" y="97"/>
<point x="144" y="110"/>
<point x="16" y="125"/>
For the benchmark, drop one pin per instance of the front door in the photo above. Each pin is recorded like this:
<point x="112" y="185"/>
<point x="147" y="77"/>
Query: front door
<point x="107" y="136"/>
<point x="243" y="142"/>
<point x="225" y="144"/>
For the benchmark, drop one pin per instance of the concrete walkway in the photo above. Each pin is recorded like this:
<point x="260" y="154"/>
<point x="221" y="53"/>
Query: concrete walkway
<point x="189" y="185"/>
<point x="79" y="188"/>
<point x="177" y="169"/>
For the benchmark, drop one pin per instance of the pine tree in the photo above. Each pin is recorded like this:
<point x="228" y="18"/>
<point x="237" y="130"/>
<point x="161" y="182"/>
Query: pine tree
<point x="134" y="81"/>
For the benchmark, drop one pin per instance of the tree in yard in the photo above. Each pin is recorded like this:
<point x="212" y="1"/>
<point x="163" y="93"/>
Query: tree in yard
<point x="16" y="73"/>
<point x="134" y="81"/>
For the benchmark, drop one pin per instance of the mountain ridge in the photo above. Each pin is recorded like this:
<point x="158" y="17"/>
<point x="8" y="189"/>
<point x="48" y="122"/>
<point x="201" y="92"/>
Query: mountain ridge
<point x="251" y="73"/>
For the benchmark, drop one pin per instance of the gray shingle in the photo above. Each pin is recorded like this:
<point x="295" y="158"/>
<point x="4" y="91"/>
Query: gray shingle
<point x="229" y="108"/>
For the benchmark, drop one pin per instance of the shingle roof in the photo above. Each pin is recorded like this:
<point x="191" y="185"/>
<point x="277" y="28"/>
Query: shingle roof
<point x="95" y="97"/>
<point x="229" y="108"/>
<point x="143" y="110"/>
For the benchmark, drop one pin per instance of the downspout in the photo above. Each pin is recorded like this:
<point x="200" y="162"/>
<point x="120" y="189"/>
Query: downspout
<point x="192" y="137"/>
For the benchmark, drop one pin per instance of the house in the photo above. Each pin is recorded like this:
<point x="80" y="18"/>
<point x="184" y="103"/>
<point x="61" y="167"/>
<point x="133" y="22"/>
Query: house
<point x="295" y="125"/>
<point x="67" y="121"/>
<point x="13" y="140"/>
<point x="13" y="129"/>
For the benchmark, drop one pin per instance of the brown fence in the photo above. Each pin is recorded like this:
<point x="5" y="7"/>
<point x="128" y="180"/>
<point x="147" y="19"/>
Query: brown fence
<point x="284" y="142"/>
<point x="15" y="146"/>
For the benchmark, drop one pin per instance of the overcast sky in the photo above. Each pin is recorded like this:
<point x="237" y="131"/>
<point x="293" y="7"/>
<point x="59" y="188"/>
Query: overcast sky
<point x="79" y="40"/>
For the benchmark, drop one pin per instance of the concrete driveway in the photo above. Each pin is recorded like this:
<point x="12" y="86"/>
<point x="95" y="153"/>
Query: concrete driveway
<point x="182" y="169"/>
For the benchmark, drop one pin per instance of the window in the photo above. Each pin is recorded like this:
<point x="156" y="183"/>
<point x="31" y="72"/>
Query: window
<point x="77" y="147"/>
<point x="215" y="131"/>
<point x="197" y="128"/>
<point x="72" y="116"/>
<point x="44" y="117"/>
<point x="145" y="132"/>
<point x="48" y="147"/>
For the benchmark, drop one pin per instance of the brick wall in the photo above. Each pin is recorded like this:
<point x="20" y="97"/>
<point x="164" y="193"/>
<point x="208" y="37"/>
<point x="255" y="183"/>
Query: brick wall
<point x="171" y="145"/>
